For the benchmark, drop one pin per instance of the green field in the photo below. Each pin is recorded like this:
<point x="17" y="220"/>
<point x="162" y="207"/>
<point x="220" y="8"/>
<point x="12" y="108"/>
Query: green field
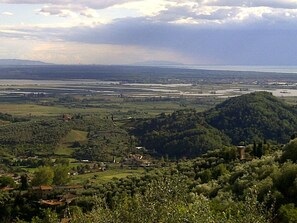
<point x="64" y="147"/>
<point x="106" y="176"/>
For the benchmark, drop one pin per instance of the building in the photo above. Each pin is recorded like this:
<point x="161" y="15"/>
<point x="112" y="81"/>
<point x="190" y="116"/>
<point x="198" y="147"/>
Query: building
<point x="241" y="152"/>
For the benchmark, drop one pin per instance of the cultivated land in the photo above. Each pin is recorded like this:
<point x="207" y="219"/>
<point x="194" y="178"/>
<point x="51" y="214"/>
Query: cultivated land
<point x="115" y="131"/>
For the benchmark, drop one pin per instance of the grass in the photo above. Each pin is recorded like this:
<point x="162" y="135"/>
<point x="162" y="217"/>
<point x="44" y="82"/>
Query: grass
<point x="39" y="110"/>
<point x="75" y="135"/>
<point x="106" y="176"/>
<point x="119" y="108"/>
<point x="64" y="148"/>
<point x="63" y="151"/>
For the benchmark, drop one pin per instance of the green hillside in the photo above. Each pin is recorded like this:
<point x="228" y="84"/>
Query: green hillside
<point x="183" y="133"/>
<point x="254" y="116"/>
<point x="247" y="118"/>
<point x="33" y="135"/>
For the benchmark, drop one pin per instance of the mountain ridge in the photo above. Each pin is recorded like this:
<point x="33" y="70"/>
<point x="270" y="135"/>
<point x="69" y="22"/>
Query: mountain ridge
<point x="18" y="62"/>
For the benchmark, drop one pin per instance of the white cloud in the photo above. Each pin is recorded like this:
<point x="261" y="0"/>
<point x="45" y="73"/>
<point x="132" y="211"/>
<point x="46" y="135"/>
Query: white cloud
<point x="229" y="13"/>
<point x="7" y="13"/>
<point x="147" y="7"/>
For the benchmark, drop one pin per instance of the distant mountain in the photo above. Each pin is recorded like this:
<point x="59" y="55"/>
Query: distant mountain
<point x="254" y="116"/>
<point x="16" y="62"/>
<point x="157" y="63"/>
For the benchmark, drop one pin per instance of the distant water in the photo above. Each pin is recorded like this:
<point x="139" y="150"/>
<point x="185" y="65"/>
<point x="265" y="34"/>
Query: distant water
<point x="275" y="69"/>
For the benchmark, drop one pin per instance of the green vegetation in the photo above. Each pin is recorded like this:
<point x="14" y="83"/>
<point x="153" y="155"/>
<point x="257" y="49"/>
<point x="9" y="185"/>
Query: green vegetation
<point x="254" y="117"/>
<point x="43" y="176"/>
<point x="124" y="166"/>
<point x="105" y="176"/>
<point x="181" y="134"/>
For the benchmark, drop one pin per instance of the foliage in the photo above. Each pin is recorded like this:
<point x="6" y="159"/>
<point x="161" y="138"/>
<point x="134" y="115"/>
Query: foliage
<point x="167" y="200"/>
<point x="253" y="117"/>
<point x="36" y="134"/>
<point x="43" y="176"/>
<point x="288" y="213"/>
<point x="181" y="134"/>
<point x="61" y="176"/>
<point x="6" y="181"/>
<point x="290" y="151"/>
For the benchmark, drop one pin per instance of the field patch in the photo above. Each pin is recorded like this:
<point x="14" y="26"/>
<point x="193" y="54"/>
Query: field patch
<point x="106" y="176"/>
<point x="65" y="146"/>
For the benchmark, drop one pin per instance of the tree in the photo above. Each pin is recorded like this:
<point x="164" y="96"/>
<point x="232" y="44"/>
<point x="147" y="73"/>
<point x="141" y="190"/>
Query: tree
<point x="24" y="182"/>
<point x="288" y="213"/>
<point x="6" y="181"/>
<point x="61" y="176"/>
<point x="290" y="151"/>
<point x="43" y="176"/>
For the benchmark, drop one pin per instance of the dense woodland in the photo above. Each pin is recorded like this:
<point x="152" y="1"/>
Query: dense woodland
<point x="240" y="120"/>
<point x="197" y="176"/>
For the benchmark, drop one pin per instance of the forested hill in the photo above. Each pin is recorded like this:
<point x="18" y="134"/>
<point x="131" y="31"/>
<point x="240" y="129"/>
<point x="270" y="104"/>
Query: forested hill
<point x="254" y="116"/>
<point x="182" y="133"/>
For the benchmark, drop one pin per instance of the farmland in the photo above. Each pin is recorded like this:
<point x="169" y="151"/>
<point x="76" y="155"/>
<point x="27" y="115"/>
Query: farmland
<point x="115" y="136"/>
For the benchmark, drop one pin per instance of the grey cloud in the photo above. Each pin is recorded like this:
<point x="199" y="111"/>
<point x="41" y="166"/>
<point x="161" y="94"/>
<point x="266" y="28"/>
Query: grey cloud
<point x="96" y="4"/>
<point x="263" y="44"/>
<point x="289" y="4"/>
<point x="65" y="11"/>
<point x="51" y="10"/>
<point x="241" y="46"/>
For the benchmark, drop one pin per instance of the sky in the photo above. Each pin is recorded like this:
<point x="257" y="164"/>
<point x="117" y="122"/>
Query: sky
<point x="200" y="32"/>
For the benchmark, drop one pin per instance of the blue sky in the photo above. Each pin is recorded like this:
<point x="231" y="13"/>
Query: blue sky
<point x="205" y="32"/>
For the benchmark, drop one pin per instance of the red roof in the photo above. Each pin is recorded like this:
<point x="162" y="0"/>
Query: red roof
<point x="51" y="202"/>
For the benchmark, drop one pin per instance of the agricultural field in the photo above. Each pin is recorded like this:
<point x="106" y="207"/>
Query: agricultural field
<point x="121" y="138"/>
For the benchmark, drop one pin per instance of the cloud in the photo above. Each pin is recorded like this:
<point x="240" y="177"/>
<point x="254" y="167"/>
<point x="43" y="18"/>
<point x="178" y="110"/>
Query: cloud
<point x="74" y="53"/>
<point x="67" y="11"/>
<point x="7" y="13"/>
<point x="96" y="4"/>
<point x="242" y="45"/>
<point x="56" y="10"/>
<point x="209" y="31"/>
<point x="197" y="14"/>
<point x="289" y="4"/>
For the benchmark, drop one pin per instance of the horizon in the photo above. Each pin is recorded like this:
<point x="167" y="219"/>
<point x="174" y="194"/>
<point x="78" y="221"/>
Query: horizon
<point x="291" y="69"/>
<point x="208" y="32"/>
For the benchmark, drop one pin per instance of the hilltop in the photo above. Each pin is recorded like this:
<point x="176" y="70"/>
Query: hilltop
<point x="16" y="62"/>
<point x="254" y="116"/>
<point x="182" y="133"/>
<point x="186" y="133"/>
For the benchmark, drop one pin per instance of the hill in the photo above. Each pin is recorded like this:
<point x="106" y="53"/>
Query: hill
<point x="254" y="116"/>
<point x="181" y="134"/>
<point x="156" y="63"/>
<point x="15" y="62"/>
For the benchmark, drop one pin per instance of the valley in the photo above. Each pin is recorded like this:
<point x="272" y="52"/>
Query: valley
<point x="89" y="144"/>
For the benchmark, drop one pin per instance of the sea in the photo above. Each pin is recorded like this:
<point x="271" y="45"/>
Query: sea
<point x="274" y="69"/>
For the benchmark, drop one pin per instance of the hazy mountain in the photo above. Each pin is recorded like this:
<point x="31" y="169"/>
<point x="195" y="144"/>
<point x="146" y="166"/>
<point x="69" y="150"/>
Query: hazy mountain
<point x="157" y="63"/>
<point x="16" y="62"/>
